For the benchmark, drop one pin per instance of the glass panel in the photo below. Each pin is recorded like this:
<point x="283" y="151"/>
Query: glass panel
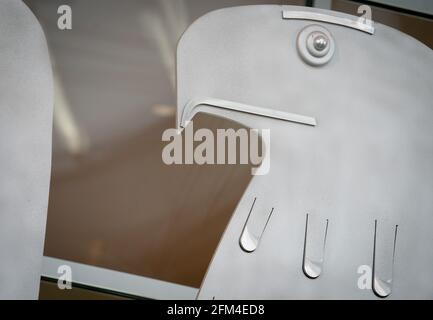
<point x="113" y="202"/>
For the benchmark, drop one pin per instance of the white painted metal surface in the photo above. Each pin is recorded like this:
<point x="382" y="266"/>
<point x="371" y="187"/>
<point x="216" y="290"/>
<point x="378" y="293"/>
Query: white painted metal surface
<point x="363" y="174"/>
<point x="26" y="104"/>
<point x="115" y="281"/>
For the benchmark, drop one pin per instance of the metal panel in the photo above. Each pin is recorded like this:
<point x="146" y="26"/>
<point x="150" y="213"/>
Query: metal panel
<point x="366" y="167"/>
<point x="118" y="282"/>
<point x="26" y="105"/>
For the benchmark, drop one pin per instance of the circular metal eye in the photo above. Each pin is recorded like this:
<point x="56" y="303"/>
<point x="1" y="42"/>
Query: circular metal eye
<point x="320" y="42"/>
<point x="315" y="45"/>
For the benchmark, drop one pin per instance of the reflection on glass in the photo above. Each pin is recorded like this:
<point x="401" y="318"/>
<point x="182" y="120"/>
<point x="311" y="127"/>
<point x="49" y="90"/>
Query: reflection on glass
<point x="113" y="203"/>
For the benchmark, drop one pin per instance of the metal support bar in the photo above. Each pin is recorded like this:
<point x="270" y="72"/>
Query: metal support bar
<point x="190" y="110"/>
<point x="334" y="19"/>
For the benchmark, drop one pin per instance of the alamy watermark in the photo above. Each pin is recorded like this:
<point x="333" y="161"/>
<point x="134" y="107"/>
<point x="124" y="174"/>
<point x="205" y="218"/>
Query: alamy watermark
<point x="365" y="278"/>
<point x="64" y="22"/>
<point x="201" y="147"/>
<point x="65" y="277"/>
